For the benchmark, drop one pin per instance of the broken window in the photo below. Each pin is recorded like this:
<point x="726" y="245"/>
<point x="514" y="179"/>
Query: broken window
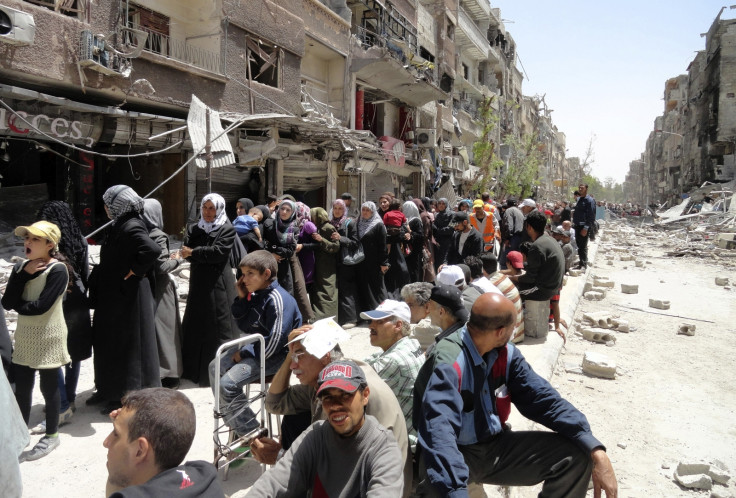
<point x="466" y="72"/>
<point x="264" y="62"/>
<point x="155" y="24"/>
<point x="450" y="29"/>
<point x="71" y="8"/>
<point x="425" y="54"/>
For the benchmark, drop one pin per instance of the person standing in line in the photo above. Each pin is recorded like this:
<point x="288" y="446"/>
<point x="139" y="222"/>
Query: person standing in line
<point x="124" y="340"/>
<point x="168" y="322"/>
<point x="442" y="230"/>
<point x="36" y="291"/>
<point x="347" y="236"/>
<point x="415" y="244"/>
<point x="372" y="236"/>
<point x="428" y="274"/>
<point x="207" y="321"/>
<point x="303" y="261"/>
<point x="583" y="219"/>
<point x="350" y="210"/>
<point x="324" y="290"/>
<point x="281" y="235"/>
<point x="73" y="246"/>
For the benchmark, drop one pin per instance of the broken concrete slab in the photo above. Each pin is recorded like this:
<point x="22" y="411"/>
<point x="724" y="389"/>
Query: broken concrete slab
<point x="598" y="335"/>
<point x="686" y="329"/>
<point x="639" y="263"/>
<point x="629" y="288"/>
<point x="599" y="365"/>
<point x="715" y="471"/>
<point x="602" y="290"/>
<point x="575" y="273"/>
<point x="659" y="304"/>
<point x="722" y="281"/>
<point x="603" y="282"/>
<point x="588" y="286"/>
<point x="593" y="296"/>
<point x="696" y="481"/>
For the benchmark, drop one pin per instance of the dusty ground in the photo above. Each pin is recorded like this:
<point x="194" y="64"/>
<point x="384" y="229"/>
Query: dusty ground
<point x="672" y="399"/>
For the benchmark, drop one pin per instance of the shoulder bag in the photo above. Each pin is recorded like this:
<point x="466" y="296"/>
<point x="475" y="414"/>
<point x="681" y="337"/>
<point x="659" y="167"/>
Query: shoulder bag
<point x="351" y="257"/>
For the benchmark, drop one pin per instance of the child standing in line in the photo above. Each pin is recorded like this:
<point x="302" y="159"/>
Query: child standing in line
<point x="36" y="290"/>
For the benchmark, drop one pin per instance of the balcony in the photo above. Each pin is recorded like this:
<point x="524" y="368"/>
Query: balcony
<point x="179" y="50"/>
<point x="470" y="38"/>
<point x="478" y="9"/>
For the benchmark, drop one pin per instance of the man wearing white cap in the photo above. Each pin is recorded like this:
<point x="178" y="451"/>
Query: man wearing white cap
<point x="527" y="206"/>
<point x="402" y="356"/>
<point x="310" y="350"/>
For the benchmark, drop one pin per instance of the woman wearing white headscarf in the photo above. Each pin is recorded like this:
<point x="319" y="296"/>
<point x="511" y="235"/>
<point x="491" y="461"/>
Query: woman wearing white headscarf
<point x="124" y="332"/>
<point x="168" y="322"/>
<point x="372" y="236"/>
<point x="208" y="322"/>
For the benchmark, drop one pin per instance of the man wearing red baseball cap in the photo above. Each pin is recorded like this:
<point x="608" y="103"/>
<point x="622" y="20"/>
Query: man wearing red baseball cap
<point x="349" y="454"/>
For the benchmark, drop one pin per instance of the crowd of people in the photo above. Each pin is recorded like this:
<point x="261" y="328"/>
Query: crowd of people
<point x="443" y="290"/>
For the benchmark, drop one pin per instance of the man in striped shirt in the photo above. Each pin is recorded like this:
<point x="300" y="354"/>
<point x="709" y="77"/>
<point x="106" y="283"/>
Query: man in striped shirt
<point x="507" y="287"/>
<point x="402" y="356"/>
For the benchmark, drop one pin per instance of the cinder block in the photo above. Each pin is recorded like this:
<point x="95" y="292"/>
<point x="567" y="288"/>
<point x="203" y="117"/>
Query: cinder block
<point x="598" y="335"/>
<point x="629" y="288"/>
<point x="601" y="319"/>
<point x="593" y="296"/>
<point x="621" y="325"/>
<point x="599" y="365"/>
<point x="686" y="329"/>
<point x="659" y="304"/>
<point x="575" y="273"/>
<point x="722" y="281"/>
<point x="536" y="318"/>
<point x="588" y="286"/>
<point x="603" y="282"/>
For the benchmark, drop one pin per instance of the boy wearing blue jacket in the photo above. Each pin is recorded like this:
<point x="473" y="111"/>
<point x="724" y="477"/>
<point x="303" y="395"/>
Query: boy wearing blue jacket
<point x="262" y="307"/>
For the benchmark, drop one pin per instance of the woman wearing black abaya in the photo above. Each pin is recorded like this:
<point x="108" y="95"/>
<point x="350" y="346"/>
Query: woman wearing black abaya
<point x="280" y="235"/>
<point x="124" y="333"/>
<point x="208" y="322"/>
<point x="414" y="260"/>
<point x="372" y="236"/>
<point x="347" y="234"/>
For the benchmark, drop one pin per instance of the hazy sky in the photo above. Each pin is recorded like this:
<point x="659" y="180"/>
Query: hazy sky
<point x="603" y="65"/>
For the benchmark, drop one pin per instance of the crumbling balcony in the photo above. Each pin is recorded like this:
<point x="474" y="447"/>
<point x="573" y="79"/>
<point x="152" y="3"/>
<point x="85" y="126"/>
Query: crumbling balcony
<point x="179" y="50"/>
<point x="470" y="37"/>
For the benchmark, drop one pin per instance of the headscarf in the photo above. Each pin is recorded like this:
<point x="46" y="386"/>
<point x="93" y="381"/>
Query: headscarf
<point x="319" y="216"/>
<point x="338" y="222"/>
<point x="265" y="211"/>
<point x="285" y="230"/>
<point x="427" y="203"/>
<point x="365" y="226"/>
<point x="410" y="210"/>
<point x="302" y="214"/>
<point x="447" y="204"/>
<point x="423" y="212"/>
<point x="220" y="216"/>
<point x="121" y="200"/>
<point x="467" y="202"/>
<point x="152" y="214"/>
<point x="247" y="204"/>
<point x="72" y="244"/>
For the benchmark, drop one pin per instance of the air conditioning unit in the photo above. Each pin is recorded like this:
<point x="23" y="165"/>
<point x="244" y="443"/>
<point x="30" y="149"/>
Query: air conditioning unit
<point x="16" y="27"/>
<point x="94" y="54"/>
<point x="426" y="137"/>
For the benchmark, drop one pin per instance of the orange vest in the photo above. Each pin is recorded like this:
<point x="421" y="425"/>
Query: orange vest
<point x="489" y="232"/>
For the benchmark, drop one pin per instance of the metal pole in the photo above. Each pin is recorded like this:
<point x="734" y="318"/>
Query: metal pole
<point x="208" y="153"/>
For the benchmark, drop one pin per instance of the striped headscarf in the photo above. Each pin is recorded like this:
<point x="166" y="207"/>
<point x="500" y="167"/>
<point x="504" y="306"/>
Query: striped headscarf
<point x="220" y="215"/>
<point x="121" y="200"/>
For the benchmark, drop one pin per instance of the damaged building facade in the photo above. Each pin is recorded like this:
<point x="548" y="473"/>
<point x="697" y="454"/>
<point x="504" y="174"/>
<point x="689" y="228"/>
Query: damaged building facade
<point x="319" y="98"/>
<point x="693" y="140"/>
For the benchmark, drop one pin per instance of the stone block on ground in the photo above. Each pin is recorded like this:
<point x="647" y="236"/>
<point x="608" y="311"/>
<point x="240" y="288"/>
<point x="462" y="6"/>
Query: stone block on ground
<point x="598" y="335"/>
<point x="575" y="273"/>
<point x="600" y="319"/>
<point x="639" y="263"/>
<point x="629" y="288"/>
<point x="621" y="325"/>
<point x="602" y="290"/>
<point x="604" y="282"/>
<point x="593" y="296"/>
<point x="695" y="481"/>
<point x="599" y="365"/>
<point x="588" y="286"/>
<point x="659" y="304"/>
<point x="722" y="281"/>
<point x="686" y="329"/>
<point x="536" y="318"/>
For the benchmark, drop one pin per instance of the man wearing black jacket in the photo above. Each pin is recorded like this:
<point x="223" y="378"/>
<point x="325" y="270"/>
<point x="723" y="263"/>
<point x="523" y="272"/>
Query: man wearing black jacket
<point x="442" y="232"/>
<point x="545" y="265"/>
<point x="583" y="219"/>
<point x="466" y="241"/>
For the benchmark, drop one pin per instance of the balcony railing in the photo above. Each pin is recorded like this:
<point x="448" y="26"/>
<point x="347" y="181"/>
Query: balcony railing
<point x="178" y="50"/>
